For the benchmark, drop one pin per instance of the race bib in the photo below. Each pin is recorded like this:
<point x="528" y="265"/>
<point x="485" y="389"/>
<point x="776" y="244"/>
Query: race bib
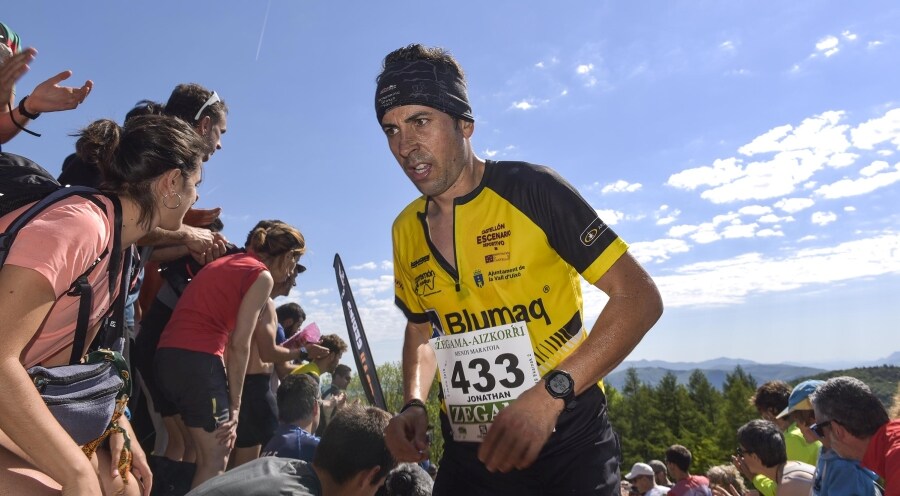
<point x="482" y="372"/>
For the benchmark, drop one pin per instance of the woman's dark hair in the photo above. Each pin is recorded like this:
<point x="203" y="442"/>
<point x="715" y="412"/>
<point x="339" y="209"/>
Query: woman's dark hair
<point x="132" y="157"/>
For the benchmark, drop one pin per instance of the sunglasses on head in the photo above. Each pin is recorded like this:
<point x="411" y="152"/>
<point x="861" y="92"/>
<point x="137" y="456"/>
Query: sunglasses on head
<point x="213" y="99"/>
<point x="819" y="428"/>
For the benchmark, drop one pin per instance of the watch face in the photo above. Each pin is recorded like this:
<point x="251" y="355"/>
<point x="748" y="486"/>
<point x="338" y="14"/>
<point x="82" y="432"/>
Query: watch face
<point x="560" y="384"/>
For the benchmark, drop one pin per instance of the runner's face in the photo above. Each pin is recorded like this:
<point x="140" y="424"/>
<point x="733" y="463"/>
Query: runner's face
<point x="429" y="145"/>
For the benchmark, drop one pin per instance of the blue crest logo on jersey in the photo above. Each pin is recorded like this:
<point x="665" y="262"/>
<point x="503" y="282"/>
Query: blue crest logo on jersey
<point x="479" y="279"/>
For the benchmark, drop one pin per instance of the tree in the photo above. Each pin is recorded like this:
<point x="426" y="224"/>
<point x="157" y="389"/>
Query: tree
<point x="737" y="410"/>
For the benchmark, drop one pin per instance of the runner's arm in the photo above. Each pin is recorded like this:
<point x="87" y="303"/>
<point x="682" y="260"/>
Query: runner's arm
<point x="406" y="433"/>
<point x="521" y="430"/>
<point x="419" y="363"/>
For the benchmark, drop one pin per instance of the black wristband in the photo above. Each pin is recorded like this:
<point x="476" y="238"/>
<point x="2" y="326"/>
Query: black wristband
<point x="414" y="403"/>
<point x="25" y="112"/>
<point x="16" y="123"/>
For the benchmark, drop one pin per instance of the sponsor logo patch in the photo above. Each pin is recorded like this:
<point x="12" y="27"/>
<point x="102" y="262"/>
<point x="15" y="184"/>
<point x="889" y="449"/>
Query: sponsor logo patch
<point x="593" y="231"/>
<point x="419" y="261"/>
<point x="496" y="257"/>
<point x="479" y="279"/>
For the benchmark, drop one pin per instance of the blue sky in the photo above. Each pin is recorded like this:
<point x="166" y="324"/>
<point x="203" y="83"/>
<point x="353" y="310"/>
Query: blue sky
<point x="748" y="151"/>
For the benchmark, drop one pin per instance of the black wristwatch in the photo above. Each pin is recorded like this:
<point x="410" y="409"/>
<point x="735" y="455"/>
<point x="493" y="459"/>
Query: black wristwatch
<point x="561" y="385"/>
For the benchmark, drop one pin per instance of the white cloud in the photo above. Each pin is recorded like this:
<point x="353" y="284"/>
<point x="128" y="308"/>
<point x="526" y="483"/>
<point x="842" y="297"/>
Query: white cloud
<point x="490" y="153"/>
<point x="620" y="186"/>
<point x="584" y="69"/>
<point x="794" y="205"/>
<point x="665" y="217"/>
<point x="610" y="217"/>
<point x="523" y="105"/>
<point x="809" y="237"/>
<point x="849" y="208"/>
<point x="863" y="185"/>
<point x="823" y="218"/>
<point x="884" y="153"/>
<point x="769" y="233"/>
<point x="839" y="160"/>
<point x="799" y="152"/>
<point x="874" y="44"/>
<point x="755" y="210"/>
<point x="727" y="46"/>
<point x="828" y="45"/>
<point x="659" y="250"/>
<point x="849" y="36"/>
<point x="539" y="65"/>
<point x="773" y="219"/>
<point x="564" y="92"/>
<point x="383" y="265"/>
<point x="770" y="141"/>
<point x="878" y="130"/>
<point x="732" y="281"/>
<point x="721" y="172"/>
<point x="874" y="168"/>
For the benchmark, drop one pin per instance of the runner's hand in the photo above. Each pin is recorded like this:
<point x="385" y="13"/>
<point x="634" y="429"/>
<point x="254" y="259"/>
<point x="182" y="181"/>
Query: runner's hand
<point x="405" y="436"/>
<point x="520" y="431"/>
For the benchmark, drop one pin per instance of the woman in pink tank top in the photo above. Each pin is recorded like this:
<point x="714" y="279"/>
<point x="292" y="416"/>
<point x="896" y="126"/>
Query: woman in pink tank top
<point x="153" y="166"/>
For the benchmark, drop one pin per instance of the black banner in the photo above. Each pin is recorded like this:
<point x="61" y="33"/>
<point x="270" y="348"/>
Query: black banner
<point x="365" y="365"/>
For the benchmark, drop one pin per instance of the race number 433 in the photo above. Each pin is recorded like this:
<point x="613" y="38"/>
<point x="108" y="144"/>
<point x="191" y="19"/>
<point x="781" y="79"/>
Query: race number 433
<point x="482" y="372"/>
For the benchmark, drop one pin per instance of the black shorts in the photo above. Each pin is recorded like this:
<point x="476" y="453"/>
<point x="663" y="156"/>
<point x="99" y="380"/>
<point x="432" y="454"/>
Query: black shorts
<point x="258" y="417"/>
<point x="144" y="351"/>
<point x="196" y="384"/>
<point x="581" y="458"/>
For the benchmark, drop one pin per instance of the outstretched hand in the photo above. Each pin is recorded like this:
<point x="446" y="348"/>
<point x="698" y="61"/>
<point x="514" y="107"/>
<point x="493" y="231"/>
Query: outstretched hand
<point x="49" y="96"/>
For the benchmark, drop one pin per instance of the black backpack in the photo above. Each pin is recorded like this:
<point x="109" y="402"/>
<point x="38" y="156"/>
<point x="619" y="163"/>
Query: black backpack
<point x="22" y="182"/>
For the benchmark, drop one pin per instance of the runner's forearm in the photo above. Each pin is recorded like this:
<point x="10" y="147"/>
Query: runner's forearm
<point x="419" y="365"/>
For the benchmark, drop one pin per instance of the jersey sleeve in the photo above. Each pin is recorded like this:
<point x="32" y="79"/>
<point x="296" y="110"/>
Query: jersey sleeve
<point x="573" y="228"/>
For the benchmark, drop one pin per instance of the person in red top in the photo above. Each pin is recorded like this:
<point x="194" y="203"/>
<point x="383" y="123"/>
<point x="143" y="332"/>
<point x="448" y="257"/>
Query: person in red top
<point x="856" y="425"/>
<point x="218" y="312"/>
<point x="678" y="461"/>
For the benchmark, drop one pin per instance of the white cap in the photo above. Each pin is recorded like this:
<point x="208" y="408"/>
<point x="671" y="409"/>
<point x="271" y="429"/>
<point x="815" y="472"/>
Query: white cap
<point x="639" y="469"/>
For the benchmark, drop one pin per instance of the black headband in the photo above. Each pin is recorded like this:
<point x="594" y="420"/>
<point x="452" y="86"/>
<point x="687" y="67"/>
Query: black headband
<point x="422" y="82"/>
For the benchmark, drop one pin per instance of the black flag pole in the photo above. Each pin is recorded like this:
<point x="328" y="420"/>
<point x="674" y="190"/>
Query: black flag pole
<point x="365" y="365"/>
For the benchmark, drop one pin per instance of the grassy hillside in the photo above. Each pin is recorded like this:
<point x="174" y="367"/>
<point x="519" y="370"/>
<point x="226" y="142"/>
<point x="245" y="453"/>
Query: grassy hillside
<point x="883" y="380"/>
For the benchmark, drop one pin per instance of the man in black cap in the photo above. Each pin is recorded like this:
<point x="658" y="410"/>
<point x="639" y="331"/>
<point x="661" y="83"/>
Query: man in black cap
<point x="486" y="266"/>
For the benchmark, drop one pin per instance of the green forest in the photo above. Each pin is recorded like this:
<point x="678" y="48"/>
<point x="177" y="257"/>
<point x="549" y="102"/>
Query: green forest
<point x="650" y="418"/>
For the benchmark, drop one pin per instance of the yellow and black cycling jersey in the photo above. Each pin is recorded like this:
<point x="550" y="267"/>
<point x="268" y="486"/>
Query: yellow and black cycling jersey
<point x="521" y="239"/>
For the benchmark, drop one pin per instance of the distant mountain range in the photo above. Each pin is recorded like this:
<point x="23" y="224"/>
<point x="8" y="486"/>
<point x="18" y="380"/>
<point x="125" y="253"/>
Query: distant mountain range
<point x="651" y="371"/>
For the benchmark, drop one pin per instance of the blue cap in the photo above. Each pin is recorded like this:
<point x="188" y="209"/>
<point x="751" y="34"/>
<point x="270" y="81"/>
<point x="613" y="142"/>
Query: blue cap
<point x="799" y="399"/>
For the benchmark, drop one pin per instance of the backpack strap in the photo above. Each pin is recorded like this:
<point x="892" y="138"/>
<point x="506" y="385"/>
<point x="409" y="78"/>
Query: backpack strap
<point x="7" y="238"/>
